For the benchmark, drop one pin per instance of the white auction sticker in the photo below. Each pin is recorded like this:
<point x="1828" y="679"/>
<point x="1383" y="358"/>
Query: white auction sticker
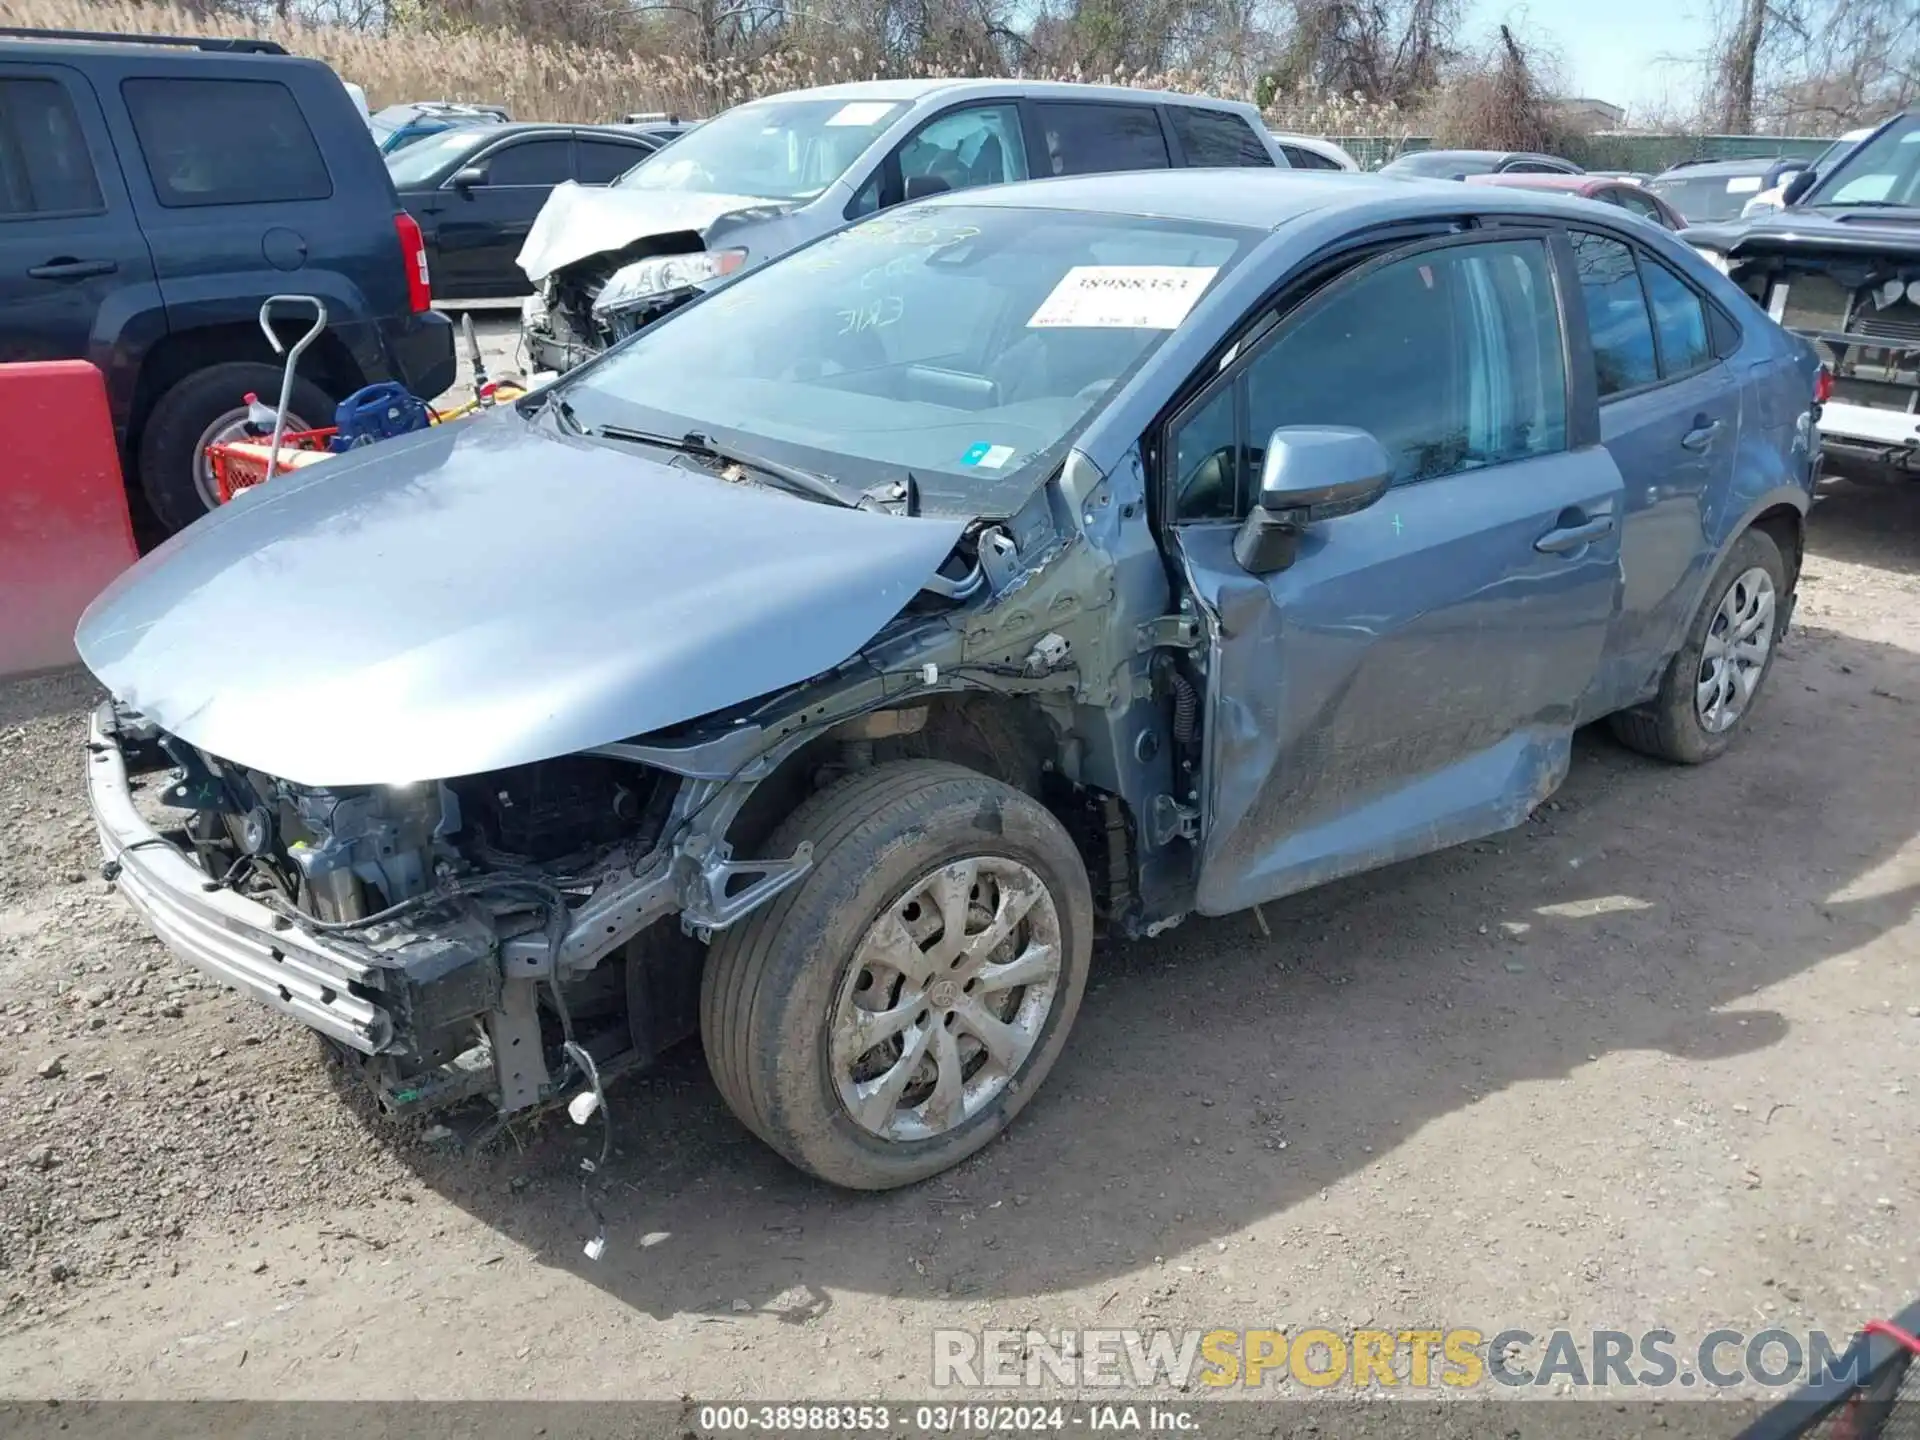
<point x="1744" y="185"/>
<point x="861" y="112"/>
<point x="1123" y="297"/>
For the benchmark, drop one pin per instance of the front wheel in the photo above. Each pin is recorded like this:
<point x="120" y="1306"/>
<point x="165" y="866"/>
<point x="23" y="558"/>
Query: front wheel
<point x="890" y="1014"/>
<point x="1712" y="684"/>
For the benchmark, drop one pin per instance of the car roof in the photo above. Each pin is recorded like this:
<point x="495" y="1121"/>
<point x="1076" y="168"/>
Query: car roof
<point x="1749" y="165"/>
<point x="915" y="90"/>
<point x="78" y="52"/>
<point x="1542" y="180"/>
<point x="1255" y="199"/>
<point x="1463" y="155"/>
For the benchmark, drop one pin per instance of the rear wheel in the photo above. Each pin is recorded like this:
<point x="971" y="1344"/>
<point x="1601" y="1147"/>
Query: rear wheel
<point x="206" y="407"/>
<point x="891" y="1013"/>
<point x="1712" y="684"/>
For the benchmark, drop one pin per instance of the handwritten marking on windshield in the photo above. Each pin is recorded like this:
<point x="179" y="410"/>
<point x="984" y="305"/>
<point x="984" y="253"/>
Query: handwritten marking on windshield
<point x="874" y="315"/>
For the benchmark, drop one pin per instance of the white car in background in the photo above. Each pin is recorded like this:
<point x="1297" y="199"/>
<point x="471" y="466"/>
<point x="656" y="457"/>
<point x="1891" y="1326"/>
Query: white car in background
<point x="1776" y="198"/>
<point x="1310" y="152"/>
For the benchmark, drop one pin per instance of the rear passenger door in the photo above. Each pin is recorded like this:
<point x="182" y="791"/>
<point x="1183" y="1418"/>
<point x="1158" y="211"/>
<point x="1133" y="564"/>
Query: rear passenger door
<point x="1670" y="417"/>
<point x="483" y="226"/>
<point x="74" y="270"/>
<point x="1084" y="137"/>
<point x="1411" y="679"/>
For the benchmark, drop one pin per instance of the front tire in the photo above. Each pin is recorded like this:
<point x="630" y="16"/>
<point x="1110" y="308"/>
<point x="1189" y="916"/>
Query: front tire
<point x="891" y="1013"/>
<point x="1712" y="684"/>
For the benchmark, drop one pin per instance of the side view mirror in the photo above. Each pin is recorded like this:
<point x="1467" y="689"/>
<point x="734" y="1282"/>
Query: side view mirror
<point x="1311" y="473"/>
<point x="468" y="176"/>
<point x="1799" y="185"/>
<point x="919" y="187"/>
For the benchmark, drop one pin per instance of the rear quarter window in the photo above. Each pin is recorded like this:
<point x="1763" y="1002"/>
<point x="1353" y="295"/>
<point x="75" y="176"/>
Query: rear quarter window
<point x="224" y="142"/>
<point x="1217" y="138"/>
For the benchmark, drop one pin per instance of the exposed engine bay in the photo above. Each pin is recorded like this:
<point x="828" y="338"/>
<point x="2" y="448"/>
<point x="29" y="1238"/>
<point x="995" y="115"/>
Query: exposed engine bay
<point x="563" y="328"/>
<point x="438" y="884"/>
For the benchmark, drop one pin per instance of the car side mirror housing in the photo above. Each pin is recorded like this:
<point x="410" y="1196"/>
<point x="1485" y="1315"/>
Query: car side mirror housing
<point x="1310" y="473"/>
<point x="468" y="176"/>
<point x="1798" y="186"/>
<point x="919" y="187"/>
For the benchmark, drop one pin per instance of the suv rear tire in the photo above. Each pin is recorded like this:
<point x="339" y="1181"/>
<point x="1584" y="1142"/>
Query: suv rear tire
<point x="1672" y="726"/>
<point x="172" y="476"/>
<point x="849" y="1026"/>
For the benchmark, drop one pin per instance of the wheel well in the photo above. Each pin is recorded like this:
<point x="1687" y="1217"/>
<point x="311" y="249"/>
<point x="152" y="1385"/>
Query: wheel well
<point x="1004" y="737"/>
<point x="1787" y="528"/>
<point x="327" y="363"/>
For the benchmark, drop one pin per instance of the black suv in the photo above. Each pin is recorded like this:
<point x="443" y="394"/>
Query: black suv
<point x="153" y="192"/>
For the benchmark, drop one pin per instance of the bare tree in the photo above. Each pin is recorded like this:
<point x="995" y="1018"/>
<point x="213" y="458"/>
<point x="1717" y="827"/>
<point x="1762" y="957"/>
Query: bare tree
<point x="1798" y="65"/>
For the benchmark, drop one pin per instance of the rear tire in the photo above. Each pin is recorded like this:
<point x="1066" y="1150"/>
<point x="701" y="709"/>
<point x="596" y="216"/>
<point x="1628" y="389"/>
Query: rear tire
<point x="172" y="474"/>
<point x="1681" y="723"/>
<point x="792" y="996"/>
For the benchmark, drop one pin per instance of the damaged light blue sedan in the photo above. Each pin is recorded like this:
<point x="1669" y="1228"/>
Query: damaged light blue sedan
<point x="825" y="666"/>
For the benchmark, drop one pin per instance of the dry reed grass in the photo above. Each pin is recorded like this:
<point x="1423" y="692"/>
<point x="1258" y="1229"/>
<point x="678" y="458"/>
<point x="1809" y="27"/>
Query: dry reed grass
<point x="547" y="82"/>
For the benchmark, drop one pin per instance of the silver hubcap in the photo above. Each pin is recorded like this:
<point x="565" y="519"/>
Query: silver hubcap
<point x="945" y="998"/>
<point x="1735" y="655"/>
<point x="229" y="427"/>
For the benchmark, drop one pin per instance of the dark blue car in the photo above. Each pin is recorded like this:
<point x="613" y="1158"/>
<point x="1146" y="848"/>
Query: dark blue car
<point x="1088" y="552"/>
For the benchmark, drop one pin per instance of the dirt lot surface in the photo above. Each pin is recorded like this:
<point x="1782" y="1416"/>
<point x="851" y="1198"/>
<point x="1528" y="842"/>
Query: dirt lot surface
<point x="1649" y="1060"/>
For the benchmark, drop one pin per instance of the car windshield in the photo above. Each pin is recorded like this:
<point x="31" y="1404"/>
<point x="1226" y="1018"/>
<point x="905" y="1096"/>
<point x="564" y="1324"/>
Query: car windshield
<point x="421" y="161"/>
<point x="1706" y="197"/>
<point x="1442" y="164"/>
<point x="770" y="149"/>
<point x="1882" y="171"/>
<point x="963" y="344"/>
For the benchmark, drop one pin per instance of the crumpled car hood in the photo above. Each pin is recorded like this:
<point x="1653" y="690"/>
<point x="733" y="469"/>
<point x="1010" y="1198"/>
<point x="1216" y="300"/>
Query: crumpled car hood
<point x="582" y="220"/>
<point x="485" y="594"/>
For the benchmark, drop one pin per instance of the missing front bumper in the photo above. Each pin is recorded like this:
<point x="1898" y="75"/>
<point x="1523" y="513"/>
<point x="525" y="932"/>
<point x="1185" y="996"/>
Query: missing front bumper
<point x="224" y="935"/>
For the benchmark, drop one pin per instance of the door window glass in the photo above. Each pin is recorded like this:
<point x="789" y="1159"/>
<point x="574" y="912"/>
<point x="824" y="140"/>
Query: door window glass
<point x="1090" y="139"/>
<point x="1301" y="158"/>
<point x="44" y="165"/>
<point x="603" y="161"/>
<point x="1450" y="358"/>
<point x="980" y="145"/>
<point x="531" y="162"/>
<point x="1679" y="318"/>
<point x="1617" y="322"/>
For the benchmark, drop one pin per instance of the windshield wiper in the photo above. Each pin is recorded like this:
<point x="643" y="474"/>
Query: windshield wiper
<point x="1864" y="205"/>
<point x="801" y="482"/>
<point x="788" y="477"/>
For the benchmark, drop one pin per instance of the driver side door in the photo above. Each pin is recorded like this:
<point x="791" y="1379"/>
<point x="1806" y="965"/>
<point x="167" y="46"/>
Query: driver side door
<point x="1410" y="680"/>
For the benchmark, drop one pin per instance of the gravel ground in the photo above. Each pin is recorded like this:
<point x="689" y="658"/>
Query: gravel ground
<point x="1647" y="1060"/>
